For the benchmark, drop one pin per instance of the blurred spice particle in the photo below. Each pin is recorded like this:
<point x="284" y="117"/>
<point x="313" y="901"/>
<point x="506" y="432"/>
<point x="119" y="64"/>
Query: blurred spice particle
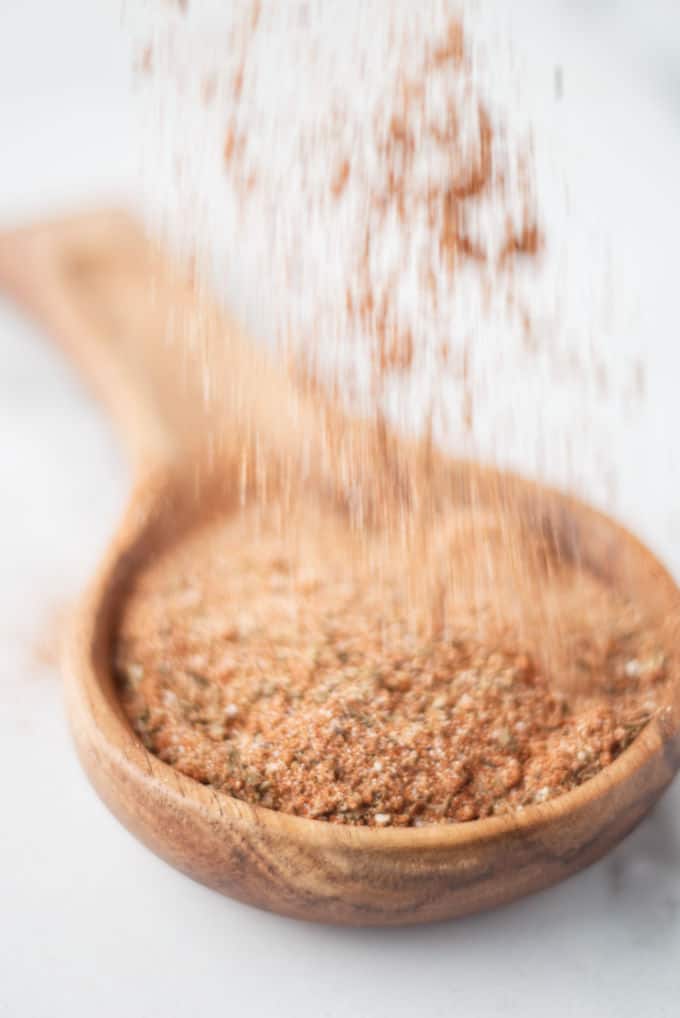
<point x="395" y="215"/>
<point x="428" y="172"/>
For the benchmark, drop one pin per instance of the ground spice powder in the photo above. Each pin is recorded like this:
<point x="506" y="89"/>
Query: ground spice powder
<point x="441" y="666"/>
<point x="429" y="163"/>
<point x="283" y="665"/>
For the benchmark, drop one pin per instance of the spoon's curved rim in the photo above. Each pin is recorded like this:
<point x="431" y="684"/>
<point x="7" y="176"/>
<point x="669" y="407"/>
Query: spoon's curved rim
<point x="93" y="703"/>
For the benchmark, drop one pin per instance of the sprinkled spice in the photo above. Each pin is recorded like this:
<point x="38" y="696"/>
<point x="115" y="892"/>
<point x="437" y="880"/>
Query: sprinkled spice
<point x="428" y="161"/>
<point x="283" y="665"/>
<point x="443" y="666"/>
<point x="375" y="166"/>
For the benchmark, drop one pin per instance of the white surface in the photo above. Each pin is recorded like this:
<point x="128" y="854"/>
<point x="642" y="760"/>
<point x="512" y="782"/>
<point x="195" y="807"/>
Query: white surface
<point x="90" y="922"/>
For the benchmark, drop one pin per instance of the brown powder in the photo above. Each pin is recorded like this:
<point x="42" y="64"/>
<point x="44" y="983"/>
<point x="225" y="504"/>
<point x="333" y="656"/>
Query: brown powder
<point x="406" y="663"/>
<point x="340" y="179"/>
<point x="469" y="170"/>
<point x="144" y="61"/>
<point x="282" y="663"/>
<point x="209" y="89"/>
<point x="428" y="192"/>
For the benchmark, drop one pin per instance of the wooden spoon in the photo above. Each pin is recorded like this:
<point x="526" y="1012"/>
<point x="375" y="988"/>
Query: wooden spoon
<point x="123" y="313"/>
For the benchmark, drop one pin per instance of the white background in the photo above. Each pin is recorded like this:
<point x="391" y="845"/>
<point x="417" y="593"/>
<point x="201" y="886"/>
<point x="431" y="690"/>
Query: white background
<point x="90" y="922"/>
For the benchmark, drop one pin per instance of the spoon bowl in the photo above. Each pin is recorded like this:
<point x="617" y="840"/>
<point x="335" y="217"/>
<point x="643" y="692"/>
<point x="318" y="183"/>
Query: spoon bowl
<point x="111" y="298"/>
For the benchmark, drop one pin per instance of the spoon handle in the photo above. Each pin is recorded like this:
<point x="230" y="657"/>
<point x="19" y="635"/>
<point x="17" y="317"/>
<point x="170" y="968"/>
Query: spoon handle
<point x="174" y="369"/>
<point x="186" y="387"/>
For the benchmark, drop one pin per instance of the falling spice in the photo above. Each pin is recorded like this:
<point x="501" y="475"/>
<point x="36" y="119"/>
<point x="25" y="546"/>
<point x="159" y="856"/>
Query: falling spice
<point x="433" y="666"/>
<point x="431" y="160"/>
<point x="282" y="665"/>
<point x="389" y="202"/>
<point x="341" y="178"/>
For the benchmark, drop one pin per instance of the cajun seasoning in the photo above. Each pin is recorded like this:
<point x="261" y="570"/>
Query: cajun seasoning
<point x="409" y="664"/>
<point x="283" y="664"/>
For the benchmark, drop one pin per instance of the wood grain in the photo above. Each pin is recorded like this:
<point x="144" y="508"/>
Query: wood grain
<point x="88" y="281"/>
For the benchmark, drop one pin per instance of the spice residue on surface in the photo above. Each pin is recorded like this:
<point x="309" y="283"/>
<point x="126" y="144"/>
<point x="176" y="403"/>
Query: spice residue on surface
<point x="46" y="648"/>
<point x="285" y="665"/>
